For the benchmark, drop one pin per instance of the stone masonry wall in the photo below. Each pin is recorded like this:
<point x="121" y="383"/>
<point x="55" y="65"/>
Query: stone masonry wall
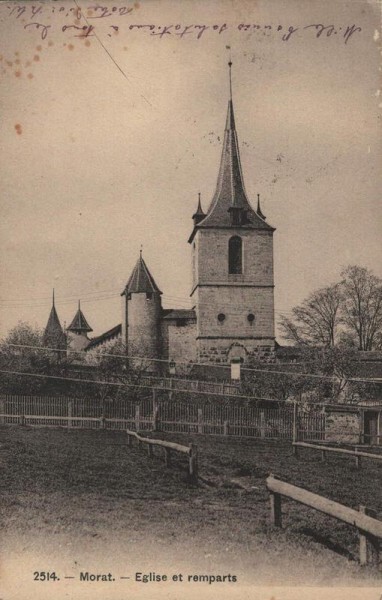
<point x="212" y="256"/>
<point x="343" y="427"/>
<point x="222" y="351"/>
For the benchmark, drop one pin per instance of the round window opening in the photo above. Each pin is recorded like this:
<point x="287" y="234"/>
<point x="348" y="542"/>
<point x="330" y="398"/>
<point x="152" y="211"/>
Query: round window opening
<point x="251" y="318"/>
<point x="221" y="317"/>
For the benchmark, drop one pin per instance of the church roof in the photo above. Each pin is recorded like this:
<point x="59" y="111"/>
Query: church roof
<point x="54" y="334"/>
<point x="141" y="279"/>
<point x="230" y="191"/>
<point x="79" y="322"/>
<point x="104" y="337"/>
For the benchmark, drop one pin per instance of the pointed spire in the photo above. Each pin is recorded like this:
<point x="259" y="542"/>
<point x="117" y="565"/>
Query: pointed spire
<point x="141" y="279"/>
<point x="79" y="324"/>
<point x="230" y="206"/>
<point x="54" y="336"/>
<point x="259" y="209"/>
<point x="199" y="214"/>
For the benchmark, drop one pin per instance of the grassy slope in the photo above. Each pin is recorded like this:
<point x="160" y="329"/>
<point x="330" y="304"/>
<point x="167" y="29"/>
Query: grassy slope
<point x="91" y="489"/>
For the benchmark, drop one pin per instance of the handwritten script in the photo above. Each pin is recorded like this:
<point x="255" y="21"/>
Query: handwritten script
<point x="83" y="22"/>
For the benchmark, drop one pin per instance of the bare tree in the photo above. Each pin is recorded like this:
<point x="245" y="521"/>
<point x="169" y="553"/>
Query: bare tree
<point x="362" y="306"/>
<point x="315" y="322"/>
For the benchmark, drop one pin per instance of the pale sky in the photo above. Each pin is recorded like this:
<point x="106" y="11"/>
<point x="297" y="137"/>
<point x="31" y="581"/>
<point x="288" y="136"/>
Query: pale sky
<point x="106" y="141"/>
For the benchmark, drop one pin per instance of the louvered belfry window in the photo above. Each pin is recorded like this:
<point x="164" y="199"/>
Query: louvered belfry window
<point x="235" y="255"/>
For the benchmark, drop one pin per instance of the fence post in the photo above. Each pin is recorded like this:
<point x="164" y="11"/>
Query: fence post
<point x="22" y="419"/>
<point x="150" y="450"/>
<point x="200" y="420"/>
<point x="262" y="424"/>
<point x="137" y="417"/>
<point x="167" y="457"/>
<point x="368" y="544"/>
<point x="155" y="411"/>
<point x="225" y="428"/>
<point x="193" y="462"/>
<point x="323" y="455"/>
<point x="102" y="422"/>
<point x="357" y="460"/>
<point x="276" y="515"/>
<point x="294" y="432"/>
<point x="70" y="414"/>
<point x="129" y="440"/>
<point x="2" y="410"/>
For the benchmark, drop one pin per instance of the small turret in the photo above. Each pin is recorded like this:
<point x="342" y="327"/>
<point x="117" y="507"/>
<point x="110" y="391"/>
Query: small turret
<point x="258" y="211"/>
<point x="199" y="214"/>
<point x="54" y="336"/>
<point x="78" y="330"/>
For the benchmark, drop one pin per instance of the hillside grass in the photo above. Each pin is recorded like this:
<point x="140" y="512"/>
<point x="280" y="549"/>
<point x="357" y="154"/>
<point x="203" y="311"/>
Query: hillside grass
<point x="89" y="490"/>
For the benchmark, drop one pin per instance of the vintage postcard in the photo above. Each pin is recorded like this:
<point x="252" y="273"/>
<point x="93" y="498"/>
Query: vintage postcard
<point x="191" y="299"/>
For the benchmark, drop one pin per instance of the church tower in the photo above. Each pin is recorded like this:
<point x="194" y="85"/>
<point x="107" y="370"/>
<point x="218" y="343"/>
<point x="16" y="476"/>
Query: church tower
<point x="232" y="258"/>
<point x="141" y="314"/>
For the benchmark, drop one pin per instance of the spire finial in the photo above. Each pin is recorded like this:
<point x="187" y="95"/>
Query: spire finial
<point x="79" y="304"/>
<point x="230" y="78"/>
<point x="53" y="297"/>
<point x="140" y="251"/>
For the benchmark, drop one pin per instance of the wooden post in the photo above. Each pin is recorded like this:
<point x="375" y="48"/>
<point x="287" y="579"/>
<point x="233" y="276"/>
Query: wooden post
<point x="2" y="410"/>
<point x="368" y="544"/>
<point x="129" y="440"/>
<point x="193" y="462"/>
<point x="167" y="457"/>
<point x="200" y="420"/>
<point x="155" y="411"/>
<point x="22" y="419"/>
<point x="276" y="515"/>
<point x="262" y="424"/>
<point x="225" y="428"/>
<point x="150" y="450"/>
<point x="323" y="455"/>
<point x="137" y="417"/>
<point x="70" y="414"/>
<point x="357" y="460"/>
<point x="295" y="432"/>
<point x="102" y="422"/>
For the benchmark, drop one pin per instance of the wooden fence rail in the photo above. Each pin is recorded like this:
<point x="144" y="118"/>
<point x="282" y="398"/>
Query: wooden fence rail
<point x="191" y="451"/>
<point x="369" y="528"/>
<point x="324" y="449"/>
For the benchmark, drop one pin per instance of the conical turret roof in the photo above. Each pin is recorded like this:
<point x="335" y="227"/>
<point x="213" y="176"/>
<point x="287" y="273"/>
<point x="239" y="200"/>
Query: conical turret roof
<point x="79" y="323"/>
<point x="54" y="334"/>
<point x="141" y="279"/>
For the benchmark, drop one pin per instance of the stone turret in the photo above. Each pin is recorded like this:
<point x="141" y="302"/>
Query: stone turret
<point x="142" y="309"/>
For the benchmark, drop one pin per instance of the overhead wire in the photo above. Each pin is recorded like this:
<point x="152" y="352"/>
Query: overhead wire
<point x="191" y="364"/>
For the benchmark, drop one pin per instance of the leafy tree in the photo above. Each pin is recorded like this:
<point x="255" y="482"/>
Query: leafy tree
<point x="112" y="365"/>
<point x="20" y="352"/>
<point x="362" y="307"/>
